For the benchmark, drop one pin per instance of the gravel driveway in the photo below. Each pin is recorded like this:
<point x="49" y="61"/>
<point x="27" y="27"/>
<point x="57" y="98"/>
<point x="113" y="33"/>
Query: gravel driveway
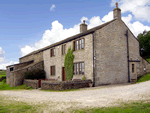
<point x="88" y="97"/>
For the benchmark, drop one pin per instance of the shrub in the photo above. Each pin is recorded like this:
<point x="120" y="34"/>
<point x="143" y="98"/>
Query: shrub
<point x="68" y="63"/>
<point x="84" y="78"/>
<point x="35" y="74"/>
<point x="4" y="81"/>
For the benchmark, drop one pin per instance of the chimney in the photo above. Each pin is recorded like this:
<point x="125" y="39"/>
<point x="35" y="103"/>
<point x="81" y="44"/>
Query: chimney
<point x="117" y="12"/>
<point x="83" y="27"/>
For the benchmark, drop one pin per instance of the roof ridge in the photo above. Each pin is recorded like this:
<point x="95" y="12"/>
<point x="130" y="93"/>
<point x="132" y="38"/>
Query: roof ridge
<point x="71" y="37"/>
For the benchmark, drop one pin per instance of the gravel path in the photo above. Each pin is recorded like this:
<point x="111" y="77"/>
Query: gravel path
<point x="88" y="97"/>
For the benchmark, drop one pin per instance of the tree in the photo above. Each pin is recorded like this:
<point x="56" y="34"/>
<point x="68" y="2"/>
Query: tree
<point x="69" y="57"/>
<point x="144" y="40"/>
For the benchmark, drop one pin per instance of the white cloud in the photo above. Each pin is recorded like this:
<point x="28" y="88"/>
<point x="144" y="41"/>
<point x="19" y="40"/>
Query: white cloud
<point x="139" y="8"/>
<point x="52" y="7"/>
<point x="108" y="17"/>
<point x="1" y="51"/>
<point x="84" y="18"/>
<point x="57" y="32"/>
<point x="3" y="62"/>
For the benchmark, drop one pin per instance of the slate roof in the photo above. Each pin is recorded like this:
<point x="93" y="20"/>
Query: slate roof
<point x="70" y="38"/>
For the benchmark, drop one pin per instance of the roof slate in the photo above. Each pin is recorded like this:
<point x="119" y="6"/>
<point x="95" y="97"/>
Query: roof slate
<point x="70" y="38"/>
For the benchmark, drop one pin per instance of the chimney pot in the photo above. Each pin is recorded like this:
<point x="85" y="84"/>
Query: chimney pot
<point x="117" y="12"/>
<point x="83" y="26"/>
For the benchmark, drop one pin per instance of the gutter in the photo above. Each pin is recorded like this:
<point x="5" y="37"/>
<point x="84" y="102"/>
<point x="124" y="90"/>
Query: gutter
<point x="93" y="63"/>
<point x="128" y="56"/>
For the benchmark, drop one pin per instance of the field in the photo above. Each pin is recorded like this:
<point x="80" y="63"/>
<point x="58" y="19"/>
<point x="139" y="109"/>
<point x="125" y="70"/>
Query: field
<point x="2" y="73"/>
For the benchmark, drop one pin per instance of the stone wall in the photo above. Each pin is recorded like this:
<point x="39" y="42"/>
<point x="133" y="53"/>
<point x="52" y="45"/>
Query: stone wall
<point x="110" y="49"/>
<point x="84" y="55"/>
<point x="32" y="83"/>
<point x="36" y="57"/>
<point x="63" y="85"/>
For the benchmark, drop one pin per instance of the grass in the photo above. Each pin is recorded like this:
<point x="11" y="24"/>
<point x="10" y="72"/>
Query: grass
<point x="148" y="59"/>
<point x="144" y="78"/>
<point x="2" y="73"/>
<point x="4" y="86"/>
<point x="133" y="107"/>
<point x="15" y="107"/>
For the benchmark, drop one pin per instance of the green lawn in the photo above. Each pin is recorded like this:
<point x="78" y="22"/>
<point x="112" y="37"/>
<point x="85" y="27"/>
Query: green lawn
<point x="12" y="106"/>
<point x="134" y="107"/>
<point x="9" y="106"/>
<point x="144" y="78"/>
<point x="148" y="59"/>
<point x="4" y="86"/>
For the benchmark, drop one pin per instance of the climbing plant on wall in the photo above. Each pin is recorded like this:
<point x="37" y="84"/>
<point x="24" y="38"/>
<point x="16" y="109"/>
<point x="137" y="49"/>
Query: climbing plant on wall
<point x="68" y="63"/>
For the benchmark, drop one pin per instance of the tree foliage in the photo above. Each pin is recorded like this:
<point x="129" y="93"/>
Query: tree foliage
<point x="144" y="40"/>
<point x="69" y="57"/>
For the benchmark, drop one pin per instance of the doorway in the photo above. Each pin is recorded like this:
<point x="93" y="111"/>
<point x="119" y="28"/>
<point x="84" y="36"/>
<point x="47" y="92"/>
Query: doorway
<point x="63" y="73"/>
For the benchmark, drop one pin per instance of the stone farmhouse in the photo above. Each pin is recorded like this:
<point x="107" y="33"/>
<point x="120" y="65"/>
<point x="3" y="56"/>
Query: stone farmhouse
<point x="106" y="54"/>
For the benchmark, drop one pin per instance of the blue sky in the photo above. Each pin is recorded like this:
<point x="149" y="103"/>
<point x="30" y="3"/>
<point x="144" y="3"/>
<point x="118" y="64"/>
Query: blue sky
<point x="29" y="25"/>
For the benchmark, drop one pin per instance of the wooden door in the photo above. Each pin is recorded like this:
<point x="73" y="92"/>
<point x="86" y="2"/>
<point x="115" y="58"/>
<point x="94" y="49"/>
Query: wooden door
<point x="63" y="73"/>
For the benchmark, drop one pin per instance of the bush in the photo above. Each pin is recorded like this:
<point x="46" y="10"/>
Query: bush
<point x="35" y="74"/>
<point x="84" y="78"/>
<point x="4" y="81"/>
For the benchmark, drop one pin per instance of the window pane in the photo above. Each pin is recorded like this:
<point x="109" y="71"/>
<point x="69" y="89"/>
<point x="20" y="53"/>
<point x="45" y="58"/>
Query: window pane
<point x="54" y="51"/>
<point x="82" y="68"/>
<point x="132" y="68"/>
<point x="74" y="46"/>
<point x="74" y="69"/>
<point x="77" y="68"/>
<point x="62" y="49"/>
<point x="77" y="45"/>
<point x="82" y="43"/>
<point x="82" y="71"/>
<point x="65" y="49"/>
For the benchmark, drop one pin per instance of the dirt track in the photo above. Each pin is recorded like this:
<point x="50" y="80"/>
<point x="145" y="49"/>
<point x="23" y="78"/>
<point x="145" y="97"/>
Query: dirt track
<point x="93" y="97"/>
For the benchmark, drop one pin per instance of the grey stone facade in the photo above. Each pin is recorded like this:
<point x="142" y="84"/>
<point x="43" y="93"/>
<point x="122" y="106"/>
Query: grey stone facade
<point x="104" y="55"/>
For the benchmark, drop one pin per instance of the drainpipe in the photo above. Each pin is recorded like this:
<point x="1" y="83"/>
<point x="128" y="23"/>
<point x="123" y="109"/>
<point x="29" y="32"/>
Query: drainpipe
<point x="93" y="63"/>
<point x="128" y="56"/>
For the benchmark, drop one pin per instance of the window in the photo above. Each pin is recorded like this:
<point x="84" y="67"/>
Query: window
<point x="52" y="70"/>
<point x="78" y="68"/>
<point x="74" y="68"/>
<point x="82" y="43"/>
<point x="132" y="68"/>
<point x="82" y="68"/>
<point x="53" y="52"/>
<point x="12" y="68"/>
<point x="63" y="49"/>
<point x="78" y="44"/>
